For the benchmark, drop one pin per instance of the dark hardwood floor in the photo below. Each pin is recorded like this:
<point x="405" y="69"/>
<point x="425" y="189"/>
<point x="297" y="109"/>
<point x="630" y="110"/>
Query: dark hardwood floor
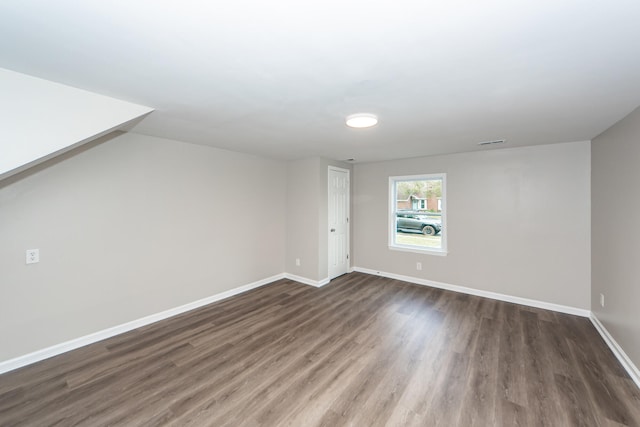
<point x="361" y="351"/>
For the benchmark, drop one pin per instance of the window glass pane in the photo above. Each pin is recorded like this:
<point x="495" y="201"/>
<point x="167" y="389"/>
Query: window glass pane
<point x="418" y="212"/>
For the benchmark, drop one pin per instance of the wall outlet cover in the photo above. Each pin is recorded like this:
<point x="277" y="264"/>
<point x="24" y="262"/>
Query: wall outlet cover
<point x="33" y="256"/>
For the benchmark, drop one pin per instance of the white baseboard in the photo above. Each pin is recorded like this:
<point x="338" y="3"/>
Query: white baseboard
<point x="45" y="353"/>
<point x="36" y="356"/>
<point x="480" y="293"/>
<point x="304" y="280"/>
<point x="622" y="357"/>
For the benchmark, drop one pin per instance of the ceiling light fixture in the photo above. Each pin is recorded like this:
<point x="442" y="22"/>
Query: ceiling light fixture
<point x="361" y="120"/>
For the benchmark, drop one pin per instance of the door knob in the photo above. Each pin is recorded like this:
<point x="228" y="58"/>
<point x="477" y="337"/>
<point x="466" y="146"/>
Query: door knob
<point x="333" y="229"/>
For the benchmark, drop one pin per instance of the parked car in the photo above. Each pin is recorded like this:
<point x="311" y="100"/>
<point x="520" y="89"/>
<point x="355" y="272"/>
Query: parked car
<point x="412" y="222"/>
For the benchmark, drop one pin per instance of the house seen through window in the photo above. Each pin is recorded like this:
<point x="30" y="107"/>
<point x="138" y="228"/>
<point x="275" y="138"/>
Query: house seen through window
<point x="417" y="217"/>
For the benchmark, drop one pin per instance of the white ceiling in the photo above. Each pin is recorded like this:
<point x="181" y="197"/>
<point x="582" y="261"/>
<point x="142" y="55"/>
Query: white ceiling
<point x="277" y="78"/>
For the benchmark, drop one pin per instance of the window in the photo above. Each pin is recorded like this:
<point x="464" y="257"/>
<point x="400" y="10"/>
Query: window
<point x="417" y="216"/>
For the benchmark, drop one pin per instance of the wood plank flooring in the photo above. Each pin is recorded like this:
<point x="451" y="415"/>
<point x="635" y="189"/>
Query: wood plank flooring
<point x="361" y="351"/>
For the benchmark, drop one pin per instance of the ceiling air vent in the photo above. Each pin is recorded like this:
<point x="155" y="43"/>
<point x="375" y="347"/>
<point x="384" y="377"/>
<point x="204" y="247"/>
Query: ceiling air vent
<point x="496" y="141"/>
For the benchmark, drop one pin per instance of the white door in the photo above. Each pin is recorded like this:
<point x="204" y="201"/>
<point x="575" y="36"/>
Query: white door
<point x="338" y="222"/>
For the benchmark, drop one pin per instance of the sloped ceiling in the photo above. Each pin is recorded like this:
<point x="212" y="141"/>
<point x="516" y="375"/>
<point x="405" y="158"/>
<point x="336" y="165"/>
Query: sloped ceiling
<point x="41" y="119"/>
<point x="277" y="78"/>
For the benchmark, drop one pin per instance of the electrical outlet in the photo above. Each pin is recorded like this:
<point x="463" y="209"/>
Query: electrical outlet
<point x="33" y="256"/>
<point x="601" y="300"/>
<point x="298" y="262"/>
<point x="418" y="266"/>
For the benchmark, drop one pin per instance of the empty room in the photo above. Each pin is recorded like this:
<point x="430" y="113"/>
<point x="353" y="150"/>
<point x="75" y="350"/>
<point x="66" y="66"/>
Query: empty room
<point x="319" y="213"/>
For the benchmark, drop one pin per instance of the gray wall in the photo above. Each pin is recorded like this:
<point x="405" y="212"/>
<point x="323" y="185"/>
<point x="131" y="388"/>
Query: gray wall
<point x="616" y="232"/>
<point x="307" y="216"/>
<point x="518" y="221"/>
<point x="303" y="216"/>
<point x="120" y="223"/>
<point x="128" y="228"/>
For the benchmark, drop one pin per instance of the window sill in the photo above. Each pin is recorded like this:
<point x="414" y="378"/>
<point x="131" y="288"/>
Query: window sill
<point x="437" y="252"/>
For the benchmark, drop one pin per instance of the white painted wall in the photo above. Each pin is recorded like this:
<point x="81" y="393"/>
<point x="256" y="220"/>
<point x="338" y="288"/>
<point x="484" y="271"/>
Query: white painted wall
<point x="616" y="232"/>
<point x="40" y="119"/>
<point x="130" y="227"/>
<point x="518" y="221"/>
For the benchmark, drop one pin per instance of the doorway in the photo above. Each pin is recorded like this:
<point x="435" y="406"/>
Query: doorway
<point x="338" y="221"/>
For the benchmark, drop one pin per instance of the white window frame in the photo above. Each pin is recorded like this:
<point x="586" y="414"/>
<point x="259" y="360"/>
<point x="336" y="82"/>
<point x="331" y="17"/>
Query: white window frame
<point x="393" y="207"/>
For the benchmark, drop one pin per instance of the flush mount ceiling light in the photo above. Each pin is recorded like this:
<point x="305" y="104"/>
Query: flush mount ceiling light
<point x="361" y="120"/>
